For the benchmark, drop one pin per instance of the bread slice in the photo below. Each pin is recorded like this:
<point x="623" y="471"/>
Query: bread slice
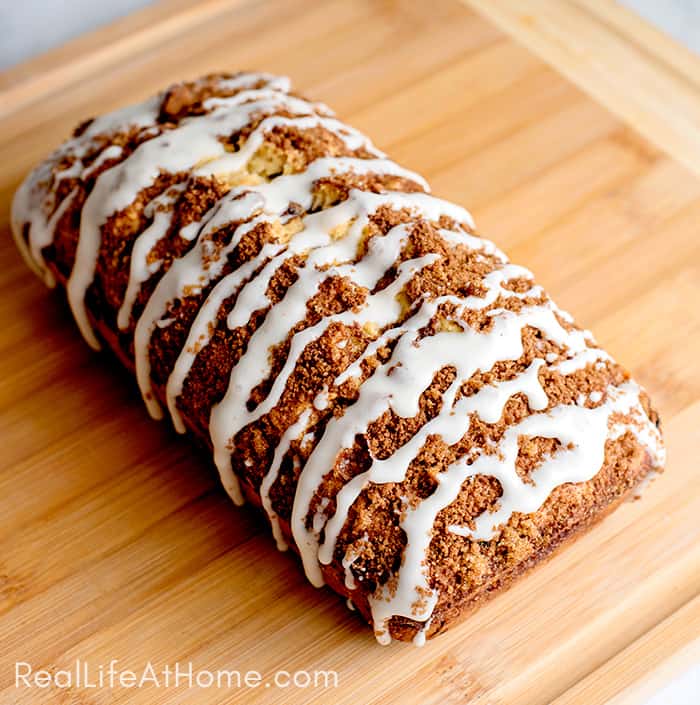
<point x="412" y="412"/>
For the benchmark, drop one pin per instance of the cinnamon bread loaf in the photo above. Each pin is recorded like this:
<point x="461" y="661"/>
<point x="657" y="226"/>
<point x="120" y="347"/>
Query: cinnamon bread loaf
<point x="411" y="411"/>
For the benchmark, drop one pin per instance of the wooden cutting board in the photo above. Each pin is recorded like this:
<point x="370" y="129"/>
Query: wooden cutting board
<point x="116" y="541"/>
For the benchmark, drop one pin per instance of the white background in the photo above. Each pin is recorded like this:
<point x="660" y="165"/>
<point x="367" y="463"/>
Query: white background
<point x="29" y="27"/>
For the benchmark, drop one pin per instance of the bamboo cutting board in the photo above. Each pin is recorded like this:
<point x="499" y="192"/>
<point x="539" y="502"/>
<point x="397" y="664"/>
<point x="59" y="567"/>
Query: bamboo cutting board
<point x="117" y="543"/>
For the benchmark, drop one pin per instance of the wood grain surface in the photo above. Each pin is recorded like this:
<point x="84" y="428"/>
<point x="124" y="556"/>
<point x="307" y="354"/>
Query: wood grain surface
<point x="116" y="541"/>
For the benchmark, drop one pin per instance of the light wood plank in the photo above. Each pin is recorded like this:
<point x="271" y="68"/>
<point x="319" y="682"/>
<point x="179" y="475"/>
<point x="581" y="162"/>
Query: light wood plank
<point x="644" y="667"/>
<point x="624" y="64"/>
<point x="116" y="541"/>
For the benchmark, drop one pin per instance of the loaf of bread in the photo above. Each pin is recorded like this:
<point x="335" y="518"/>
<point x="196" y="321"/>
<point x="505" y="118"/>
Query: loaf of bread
<point x="411" y="411"/>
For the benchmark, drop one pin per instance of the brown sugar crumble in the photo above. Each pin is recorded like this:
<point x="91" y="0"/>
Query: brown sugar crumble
<point x="412" y="412"/>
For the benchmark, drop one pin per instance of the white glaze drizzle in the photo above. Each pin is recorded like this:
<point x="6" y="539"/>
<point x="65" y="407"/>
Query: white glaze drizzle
<point x="586" y="429"/>
<point x="193" y="147"/>
<point x="196" y="269"/>
<point x="140" y="269"/>
<point x="293" y="432"/>
<point x="230" y="415"/>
